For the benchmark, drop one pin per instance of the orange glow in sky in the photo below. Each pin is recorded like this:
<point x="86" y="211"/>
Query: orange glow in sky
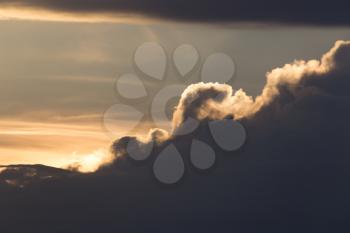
<point x="58" y="145"/>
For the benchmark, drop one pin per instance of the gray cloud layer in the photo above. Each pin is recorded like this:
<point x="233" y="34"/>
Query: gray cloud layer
<point x="294" y="12"/>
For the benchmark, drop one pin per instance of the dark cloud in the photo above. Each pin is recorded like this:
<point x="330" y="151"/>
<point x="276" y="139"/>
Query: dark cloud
<point x="23" y="175"/>
<point x="294" y="12"/>
<point x="292" y="175"/>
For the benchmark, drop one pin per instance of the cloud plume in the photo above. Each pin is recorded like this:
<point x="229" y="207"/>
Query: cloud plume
<point x="284" y="86"/>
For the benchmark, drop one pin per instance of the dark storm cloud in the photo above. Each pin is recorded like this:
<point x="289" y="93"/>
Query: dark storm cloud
<point x="292" y="175"/>
<point x="269" y="11"/>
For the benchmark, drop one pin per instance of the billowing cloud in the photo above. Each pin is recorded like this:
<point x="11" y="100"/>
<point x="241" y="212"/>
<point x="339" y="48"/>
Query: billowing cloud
<point x="297" y="12"/>
<point x="292" y="173"/>
<point x="200" y="101"/>
<point x="284" y="87"/>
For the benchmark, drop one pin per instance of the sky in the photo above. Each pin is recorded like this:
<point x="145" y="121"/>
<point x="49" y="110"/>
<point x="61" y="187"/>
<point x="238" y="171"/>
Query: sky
<point x="269" y="151"/>
<point x="61" y="75"/>
<point x="290" y="173"/>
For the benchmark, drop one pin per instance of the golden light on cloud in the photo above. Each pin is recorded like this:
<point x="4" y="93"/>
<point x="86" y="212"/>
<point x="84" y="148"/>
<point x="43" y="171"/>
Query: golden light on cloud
<point x="27" y="13"/>
<point x="91" y="162"/>
<point x="75" y="142"/>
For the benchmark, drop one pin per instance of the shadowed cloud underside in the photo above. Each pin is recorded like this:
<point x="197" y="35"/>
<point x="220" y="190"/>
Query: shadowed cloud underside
<point x="270" y="11"/>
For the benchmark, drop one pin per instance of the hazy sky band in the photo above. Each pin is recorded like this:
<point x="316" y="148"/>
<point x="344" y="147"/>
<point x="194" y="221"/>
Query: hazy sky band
<point x="269" y="11"/>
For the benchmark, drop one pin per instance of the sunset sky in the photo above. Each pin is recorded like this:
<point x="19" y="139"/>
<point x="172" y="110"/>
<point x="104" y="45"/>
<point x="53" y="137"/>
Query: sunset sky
<point x="264" y="151"/>
<point x="58" y="78"/>
<point x="58" y="75"/>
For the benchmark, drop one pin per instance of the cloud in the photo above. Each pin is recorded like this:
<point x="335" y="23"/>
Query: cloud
<point x="292" y="173"/>
<point x="23" y="175"/>
<point x="293" y="81"/>
<point x="284" y="87"/>
<point x="270" y="11"/>
<point x="200" y="101"/>
<point x="91" y="162"/>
